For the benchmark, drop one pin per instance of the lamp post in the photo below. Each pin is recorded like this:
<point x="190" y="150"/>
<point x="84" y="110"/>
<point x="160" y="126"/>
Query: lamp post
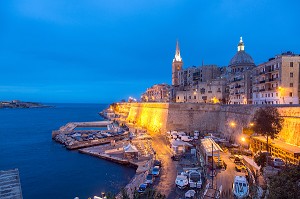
<point x="232" y="125"/>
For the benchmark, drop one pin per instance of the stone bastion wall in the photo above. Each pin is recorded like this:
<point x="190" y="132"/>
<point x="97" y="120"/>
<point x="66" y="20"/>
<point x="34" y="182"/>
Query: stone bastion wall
<point x="161" y="117"/>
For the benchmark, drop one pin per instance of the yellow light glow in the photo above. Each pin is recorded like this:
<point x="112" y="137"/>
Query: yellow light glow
<point x="215" y="100"/>
<point x="251" y="124"/>
<point x="243" y="139"/>
<point x="232" y="124"/>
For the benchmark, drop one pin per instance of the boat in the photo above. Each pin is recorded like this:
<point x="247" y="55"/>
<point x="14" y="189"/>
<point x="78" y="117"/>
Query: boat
<point x="181" y="181"/>
<point x="240" y="187"/>
<point x="195" y="179"/>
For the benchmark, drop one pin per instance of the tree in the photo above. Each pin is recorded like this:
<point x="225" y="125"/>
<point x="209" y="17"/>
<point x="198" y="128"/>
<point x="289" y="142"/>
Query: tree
<point x="267" y="122"/>
<point x="286" y="184"/>
<point x="261" y="159"/>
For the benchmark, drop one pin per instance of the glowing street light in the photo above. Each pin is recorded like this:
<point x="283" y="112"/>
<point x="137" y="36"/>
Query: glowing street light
<point x="232" y="124"/>
<point x="243" y="139"/>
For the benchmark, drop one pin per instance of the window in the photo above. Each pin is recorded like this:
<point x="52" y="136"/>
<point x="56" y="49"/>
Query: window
<point x="190" y="97"/>
<point x="276" y="94"/>
<point x="291" y="85"/>
<point x="194" y="97"/>
<point x="291" y="94"/>
<point x="291" y="74"/>
<point x="291" y="64"/>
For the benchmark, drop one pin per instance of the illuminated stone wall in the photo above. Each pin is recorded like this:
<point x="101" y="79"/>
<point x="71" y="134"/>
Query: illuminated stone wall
<point x="242" y="115"/>
<point x="161" y="117"/>
<point x="151" y="116"/>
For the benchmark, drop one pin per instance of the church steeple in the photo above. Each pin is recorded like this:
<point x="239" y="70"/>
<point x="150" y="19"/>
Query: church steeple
<point x="177" y="53"/>
<point x="176" y="65"/>
<point x="241" y="46"/>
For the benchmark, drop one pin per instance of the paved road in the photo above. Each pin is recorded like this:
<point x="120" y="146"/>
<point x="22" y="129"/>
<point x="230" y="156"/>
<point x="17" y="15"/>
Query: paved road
<point x="166" y="183"/>
<point x="226" y="177"/>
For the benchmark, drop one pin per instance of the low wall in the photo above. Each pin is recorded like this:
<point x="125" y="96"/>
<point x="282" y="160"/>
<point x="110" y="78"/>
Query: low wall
<point x="161" y="117"/>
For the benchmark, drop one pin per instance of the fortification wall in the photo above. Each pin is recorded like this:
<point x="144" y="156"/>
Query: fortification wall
<point x="161" y="117"/>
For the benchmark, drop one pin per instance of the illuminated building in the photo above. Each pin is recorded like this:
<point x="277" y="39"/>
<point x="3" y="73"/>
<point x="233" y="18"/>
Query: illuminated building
<point x="277" y="80"/>
<point x="204" y="92"/>
<point x="289" y="153"/>
<point x="239" y="76"/>
<point x="157" y="93"/>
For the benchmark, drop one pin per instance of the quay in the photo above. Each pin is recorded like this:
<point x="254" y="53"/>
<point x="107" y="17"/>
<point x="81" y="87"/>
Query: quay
<point x="117" y="153"/>
<point x="74" y="138"/>
<point x="69" y="127"/>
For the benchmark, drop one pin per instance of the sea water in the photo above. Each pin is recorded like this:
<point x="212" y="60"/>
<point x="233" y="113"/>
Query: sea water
<point x="47" y="169"/>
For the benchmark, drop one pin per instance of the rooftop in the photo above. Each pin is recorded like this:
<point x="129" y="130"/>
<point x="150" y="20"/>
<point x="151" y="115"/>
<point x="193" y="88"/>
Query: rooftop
<point x="209" y="145"/>
<point x="279" y="144"/>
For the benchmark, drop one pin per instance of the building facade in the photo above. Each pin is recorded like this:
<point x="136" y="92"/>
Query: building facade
<point x="213" y="91"/>
<point x="277" y="80"/>
<point x="157" y="93"/>
<point x="273" y="82"/>
<point x="240" y="76"/>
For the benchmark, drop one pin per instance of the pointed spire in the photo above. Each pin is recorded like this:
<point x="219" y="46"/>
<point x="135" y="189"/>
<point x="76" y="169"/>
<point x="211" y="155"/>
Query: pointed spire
<point x="177" y="53"/>
<point x="241" y="46"/>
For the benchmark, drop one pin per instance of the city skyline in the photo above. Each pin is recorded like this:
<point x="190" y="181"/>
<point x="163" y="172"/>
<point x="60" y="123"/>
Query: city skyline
<point x="107" y="51"/>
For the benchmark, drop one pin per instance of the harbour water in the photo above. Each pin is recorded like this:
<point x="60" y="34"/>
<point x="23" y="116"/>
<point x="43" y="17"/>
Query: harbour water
<point x="48" y="170"/>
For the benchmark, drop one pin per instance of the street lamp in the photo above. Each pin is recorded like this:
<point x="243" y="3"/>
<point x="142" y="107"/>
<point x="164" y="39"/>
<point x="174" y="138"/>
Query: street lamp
<point x="232" y="124"/>
<point x="243" y="139"/>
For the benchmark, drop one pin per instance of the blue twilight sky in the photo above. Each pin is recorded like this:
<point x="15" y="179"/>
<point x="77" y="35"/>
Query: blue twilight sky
<point x="103" y="51"/>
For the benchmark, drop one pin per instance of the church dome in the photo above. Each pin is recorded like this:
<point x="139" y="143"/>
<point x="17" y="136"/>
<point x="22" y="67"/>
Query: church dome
<point x="241" y="58"/>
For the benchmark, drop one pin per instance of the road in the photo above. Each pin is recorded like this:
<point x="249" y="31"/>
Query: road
<point x="166" y="183"/>
<point x="226" y="177"/>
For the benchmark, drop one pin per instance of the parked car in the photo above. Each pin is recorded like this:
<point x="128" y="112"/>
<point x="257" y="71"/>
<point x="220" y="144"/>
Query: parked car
<point x="278" y="162"/>
<point x="181" y="181"/>
<point x="142" y="188"/>
<point x="157" y="163"/>
<point x="176" y="157"/>
<point x="155" y="171"/>
<point x="238" y="159"/>
<point x="149" y="179"/>
<point x="186" y="138"/>
<point x="240" y="167"/>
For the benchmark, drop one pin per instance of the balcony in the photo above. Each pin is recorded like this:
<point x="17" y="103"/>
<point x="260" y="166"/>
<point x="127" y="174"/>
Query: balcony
<point x="263" y="81"/>
<point x="273" y="79"/>
<point x="262" y="89"/>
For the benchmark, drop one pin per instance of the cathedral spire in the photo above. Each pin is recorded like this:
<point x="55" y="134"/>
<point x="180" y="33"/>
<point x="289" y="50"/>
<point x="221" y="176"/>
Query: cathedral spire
<point x="241" y="46"/>
<point x="177" y="53"/>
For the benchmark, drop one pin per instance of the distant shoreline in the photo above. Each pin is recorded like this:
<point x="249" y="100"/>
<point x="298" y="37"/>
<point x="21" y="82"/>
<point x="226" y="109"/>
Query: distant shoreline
<point x="16" y="104"/>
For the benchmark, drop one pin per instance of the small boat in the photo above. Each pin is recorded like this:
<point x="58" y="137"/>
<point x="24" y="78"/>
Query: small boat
<point x="240" y="187"/>
<point x="181" y="181"/>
